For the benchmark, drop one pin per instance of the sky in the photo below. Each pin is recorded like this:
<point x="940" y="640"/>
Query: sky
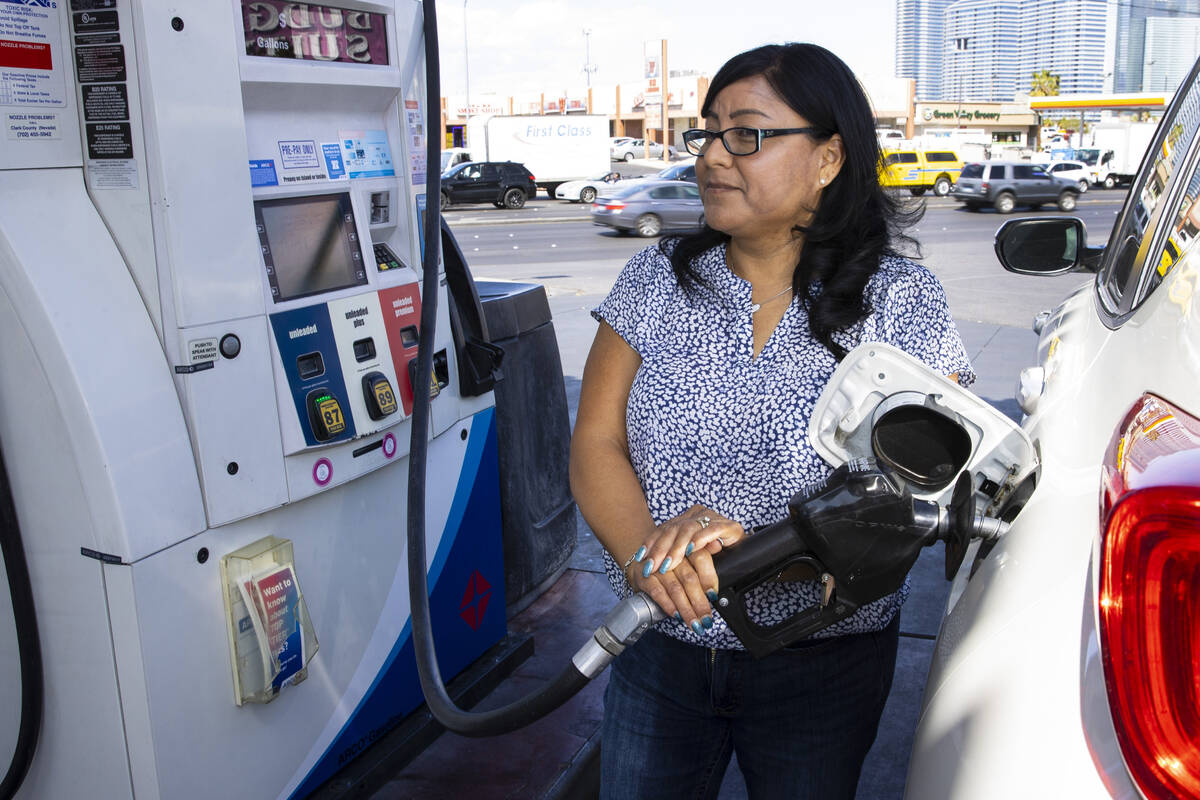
<point x="530" y="46"/>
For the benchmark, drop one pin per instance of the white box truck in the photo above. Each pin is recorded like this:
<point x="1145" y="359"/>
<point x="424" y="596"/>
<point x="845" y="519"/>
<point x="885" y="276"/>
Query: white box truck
<point x="1116" y="151"/>
<point x="555" y="148"/>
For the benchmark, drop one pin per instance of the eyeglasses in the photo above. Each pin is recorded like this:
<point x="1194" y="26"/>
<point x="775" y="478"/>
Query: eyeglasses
<point x="738" y="141"/>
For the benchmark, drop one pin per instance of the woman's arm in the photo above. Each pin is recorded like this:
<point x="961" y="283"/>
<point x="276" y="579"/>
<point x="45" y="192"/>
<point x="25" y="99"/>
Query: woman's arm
<point x="611" y="499"/>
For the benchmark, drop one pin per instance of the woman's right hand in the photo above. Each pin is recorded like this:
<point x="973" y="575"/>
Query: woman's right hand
<point x="674" y="564"/>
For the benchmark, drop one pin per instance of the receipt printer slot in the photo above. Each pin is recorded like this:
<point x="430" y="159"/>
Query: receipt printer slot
<point x="310" y="365"/>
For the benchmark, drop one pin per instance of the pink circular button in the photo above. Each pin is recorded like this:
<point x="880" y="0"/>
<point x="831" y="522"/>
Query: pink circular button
<point x="389" y="445"/>
<point x="322" y="472"/>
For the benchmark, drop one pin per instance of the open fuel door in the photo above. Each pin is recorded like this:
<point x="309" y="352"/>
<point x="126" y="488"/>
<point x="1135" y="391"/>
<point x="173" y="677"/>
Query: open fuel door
<point x="882" y="403"/>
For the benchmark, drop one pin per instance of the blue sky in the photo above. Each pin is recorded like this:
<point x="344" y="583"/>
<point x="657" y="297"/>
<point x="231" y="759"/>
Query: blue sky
<point x="520" y="46"/>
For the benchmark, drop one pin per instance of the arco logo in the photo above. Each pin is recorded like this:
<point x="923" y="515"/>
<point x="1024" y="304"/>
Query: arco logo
<point x="475" y="600"/>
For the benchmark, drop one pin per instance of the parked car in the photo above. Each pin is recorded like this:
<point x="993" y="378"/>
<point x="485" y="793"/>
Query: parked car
<point x="636" y="148"/>
<point x="585" y="191"/>
<point x="919" y="170"/>
<point x="1076" y="171"/>
<point x="651" y="207"/>
<point x="504" y="184"/>
<point x="1067" y="660"/>
<point x="1006" y="184"/>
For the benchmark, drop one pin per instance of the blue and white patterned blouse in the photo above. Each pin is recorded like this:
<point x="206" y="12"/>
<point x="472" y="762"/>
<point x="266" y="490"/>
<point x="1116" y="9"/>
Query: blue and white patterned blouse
<point x="707" y="422"/>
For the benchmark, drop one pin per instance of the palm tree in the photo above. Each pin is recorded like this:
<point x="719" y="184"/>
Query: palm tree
<point x="1045" y="84"/>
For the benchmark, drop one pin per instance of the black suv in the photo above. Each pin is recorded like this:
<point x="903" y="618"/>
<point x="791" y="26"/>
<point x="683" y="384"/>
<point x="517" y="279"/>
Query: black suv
<point x="1006" y="184"/>
<point x="504" y="184"/>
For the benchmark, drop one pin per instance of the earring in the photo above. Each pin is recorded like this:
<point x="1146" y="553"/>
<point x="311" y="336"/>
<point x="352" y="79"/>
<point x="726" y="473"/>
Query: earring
<point x="822" y="181"/>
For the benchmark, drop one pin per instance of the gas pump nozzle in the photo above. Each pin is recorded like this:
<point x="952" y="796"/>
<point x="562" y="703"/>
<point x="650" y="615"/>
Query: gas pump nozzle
<point x="860" y="531"/>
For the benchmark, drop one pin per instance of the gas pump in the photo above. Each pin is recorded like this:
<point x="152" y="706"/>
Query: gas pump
<point x="210" y="248"/>
<point x="226" y="339"/>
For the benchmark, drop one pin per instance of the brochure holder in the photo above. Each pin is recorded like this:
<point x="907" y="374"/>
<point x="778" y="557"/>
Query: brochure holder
<point x="271" y="637"/>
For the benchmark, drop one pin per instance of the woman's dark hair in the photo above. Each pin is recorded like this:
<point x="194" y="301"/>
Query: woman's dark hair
<point x="857" y="222"/>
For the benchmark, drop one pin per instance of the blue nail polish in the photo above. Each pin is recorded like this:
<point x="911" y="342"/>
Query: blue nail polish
<point x="696" y="627"/>
<point x="648" y="569"/>
<point x="678" y="617"/>
<point x="689" y="550"/>
<point x="706" y="622"/>
<point x="666" y="563"/>
<point x="640" y="554"/>
<point x="712" y="596"/>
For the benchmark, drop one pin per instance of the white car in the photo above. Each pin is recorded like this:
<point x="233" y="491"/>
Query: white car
<point x="636" y="148"/>
<point x="1076" y="171"/>
<point x="585" y="191"/>
<point x="1068" y="661"/>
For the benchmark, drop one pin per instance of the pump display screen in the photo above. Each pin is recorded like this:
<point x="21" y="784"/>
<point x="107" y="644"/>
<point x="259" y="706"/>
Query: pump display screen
<point x="309" y="244"/>
<point x="310" y="32"/>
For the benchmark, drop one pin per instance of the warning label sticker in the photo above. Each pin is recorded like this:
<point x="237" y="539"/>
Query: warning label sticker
<point x="105" y="101"/>
<point x="29" y="67"/>
<point x="103" y="64"/>
<point x="109" y="140"/>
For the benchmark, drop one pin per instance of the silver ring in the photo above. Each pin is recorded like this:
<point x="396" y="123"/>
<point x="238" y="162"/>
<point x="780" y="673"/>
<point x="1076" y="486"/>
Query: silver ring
<point x="722" y="541"/>
<point x="704" y="522"/>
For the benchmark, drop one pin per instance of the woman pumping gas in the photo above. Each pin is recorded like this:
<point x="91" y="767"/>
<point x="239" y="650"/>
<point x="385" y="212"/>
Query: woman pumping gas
<point x="692" y="428"/>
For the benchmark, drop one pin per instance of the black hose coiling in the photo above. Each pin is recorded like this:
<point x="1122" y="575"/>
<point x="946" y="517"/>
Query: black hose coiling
<point x="570" y="680"/>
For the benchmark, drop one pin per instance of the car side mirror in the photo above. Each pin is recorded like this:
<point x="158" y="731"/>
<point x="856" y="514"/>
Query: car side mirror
<point x="1046" y="246"/>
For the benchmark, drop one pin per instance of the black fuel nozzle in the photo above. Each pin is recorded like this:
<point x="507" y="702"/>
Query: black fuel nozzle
<point x="860" y="531"/>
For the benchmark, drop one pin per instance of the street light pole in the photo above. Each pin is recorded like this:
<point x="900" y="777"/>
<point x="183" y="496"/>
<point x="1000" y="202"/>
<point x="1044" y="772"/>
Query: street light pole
<point x="467" y="73"/>
<point x="588" y="66"/>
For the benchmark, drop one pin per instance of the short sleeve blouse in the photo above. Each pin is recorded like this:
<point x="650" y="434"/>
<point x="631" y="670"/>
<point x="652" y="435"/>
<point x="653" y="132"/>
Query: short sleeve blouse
<point x="707" y="422"/>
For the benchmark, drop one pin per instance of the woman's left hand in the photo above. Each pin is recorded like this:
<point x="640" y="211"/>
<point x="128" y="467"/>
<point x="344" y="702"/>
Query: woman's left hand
<point x="699" y="533"/>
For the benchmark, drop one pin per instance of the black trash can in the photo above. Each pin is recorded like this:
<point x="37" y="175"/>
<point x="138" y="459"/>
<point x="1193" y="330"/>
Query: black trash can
<point x="534" y="432"/>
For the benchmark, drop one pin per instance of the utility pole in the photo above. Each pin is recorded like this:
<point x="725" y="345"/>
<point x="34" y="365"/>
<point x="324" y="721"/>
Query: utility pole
<point x="666" y="109"/>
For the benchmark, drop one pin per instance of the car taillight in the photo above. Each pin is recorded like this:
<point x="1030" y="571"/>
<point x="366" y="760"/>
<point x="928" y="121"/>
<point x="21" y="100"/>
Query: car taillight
<point x="532" y="178"/>
<point x="983" y="187"/>
<point x="614" y="205"/>
<point x="1149" y="585"/>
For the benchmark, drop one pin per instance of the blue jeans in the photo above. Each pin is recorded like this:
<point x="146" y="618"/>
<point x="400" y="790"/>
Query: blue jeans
<point x="801" y="720"/>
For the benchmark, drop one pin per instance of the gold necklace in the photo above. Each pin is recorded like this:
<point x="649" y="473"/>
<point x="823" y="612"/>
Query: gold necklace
<point x="754" y="307"/>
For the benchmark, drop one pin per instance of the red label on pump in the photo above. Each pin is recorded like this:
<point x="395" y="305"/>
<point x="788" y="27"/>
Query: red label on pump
<point x="25" y="55"/>
<point x="402" y="319"/>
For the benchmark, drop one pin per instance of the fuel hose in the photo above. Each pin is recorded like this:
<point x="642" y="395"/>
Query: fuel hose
<point x="623" y="625"/>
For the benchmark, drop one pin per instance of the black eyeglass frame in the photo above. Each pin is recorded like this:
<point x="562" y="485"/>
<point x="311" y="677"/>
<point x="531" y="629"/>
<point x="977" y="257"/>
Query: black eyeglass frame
<point x="760" y="134"/>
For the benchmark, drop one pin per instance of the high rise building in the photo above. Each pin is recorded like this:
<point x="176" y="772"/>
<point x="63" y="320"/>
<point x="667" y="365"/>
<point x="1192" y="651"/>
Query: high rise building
<point x="1140" y="20"/>
<point x="1065" y="37"/>
<point x="979" y="51"/>
<point x="1170" y="49"/>
<point x="919" y="44"/>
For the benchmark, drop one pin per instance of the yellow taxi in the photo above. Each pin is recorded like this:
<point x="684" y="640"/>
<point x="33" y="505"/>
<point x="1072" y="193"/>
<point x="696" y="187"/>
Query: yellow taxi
<point x="918" y="170"/>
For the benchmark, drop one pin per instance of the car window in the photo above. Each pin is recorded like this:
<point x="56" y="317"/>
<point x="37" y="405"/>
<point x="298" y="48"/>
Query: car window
<point x="891" y="158"/>
<point x="664" y="192"/>
<point x="689" y="190"/>
<point x="941" y="157"/>
<point x="1022" y="172"/>
<point x="1134" y="264"/>
<point x="472" y="172"/>
<point x="491" y="172"/>
<point x="1038" y="172"/>
<point x="972" y="171"/>
<point x="907" y="158"/>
